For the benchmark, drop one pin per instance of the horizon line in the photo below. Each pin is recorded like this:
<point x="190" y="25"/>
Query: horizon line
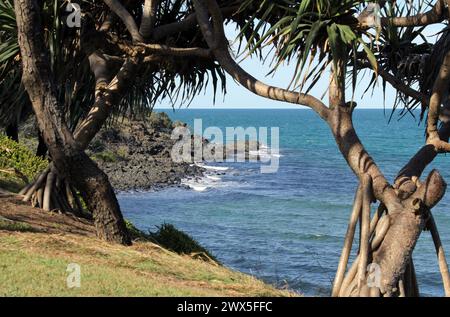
<point x="254" y="108"/>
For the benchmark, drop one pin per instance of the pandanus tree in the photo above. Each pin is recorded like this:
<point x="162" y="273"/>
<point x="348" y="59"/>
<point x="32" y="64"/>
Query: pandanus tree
<point x="78" y="77"/>
<point x="129" y="43"/>
<point x="347" y="37"/>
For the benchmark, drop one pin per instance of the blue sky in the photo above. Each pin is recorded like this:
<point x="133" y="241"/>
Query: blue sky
<point x="239" y="97"/>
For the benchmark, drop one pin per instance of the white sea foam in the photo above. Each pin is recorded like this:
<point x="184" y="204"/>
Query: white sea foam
<point x="198" y="188"/>
<point x="264" y="152"/>
<point x="212" y="168"/>
<point x="213" y="178"/>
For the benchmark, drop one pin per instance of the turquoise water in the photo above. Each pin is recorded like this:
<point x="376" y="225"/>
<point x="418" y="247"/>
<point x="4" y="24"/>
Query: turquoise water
<point x="287" y="228"/>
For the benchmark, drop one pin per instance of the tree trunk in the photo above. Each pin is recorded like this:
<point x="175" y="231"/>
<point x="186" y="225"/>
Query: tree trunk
<point x="99" y="196"/>
<point x="68" y="158"/>
<point x="407" y="215"/>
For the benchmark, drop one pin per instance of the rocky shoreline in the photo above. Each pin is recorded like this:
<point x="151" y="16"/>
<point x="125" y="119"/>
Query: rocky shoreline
<point x="136" y="155"/>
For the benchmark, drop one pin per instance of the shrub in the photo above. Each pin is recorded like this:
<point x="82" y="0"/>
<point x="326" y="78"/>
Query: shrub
<point x="178" y="123"/>
<point x="97" y="146"/>
<point x="135" y="233"/>
<point x="171" y="239"/>
<point x="177" y="241"/>
<point x="122" y="152"/>
<point x="106" y="156"/>
<point x="160" y="120"/>
<point x="15" y="156"/>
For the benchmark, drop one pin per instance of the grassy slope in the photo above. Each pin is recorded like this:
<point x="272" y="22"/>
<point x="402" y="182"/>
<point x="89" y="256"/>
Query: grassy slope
<point x="35" y="263"/>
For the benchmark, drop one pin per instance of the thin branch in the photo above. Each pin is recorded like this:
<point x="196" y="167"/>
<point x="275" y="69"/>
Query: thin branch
<point x="175" y="51"/>
<point x="406" y="180"/>
<point x="141" y="49"/>
<point x="364" y="244"/>
<point x="400" y="86"/>
<point x="126" y="18"/>
<point x="435" y="15"/>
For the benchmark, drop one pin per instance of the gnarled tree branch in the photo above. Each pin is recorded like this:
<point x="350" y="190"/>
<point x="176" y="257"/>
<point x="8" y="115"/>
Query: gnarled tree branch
<point x="439" y="93"/>
<point x="215" y="37"/>
<point x="126" y="18"/>
<point x="435" y="15"/>
<point x="148" y="17"/>
<point x="108" y="94"/>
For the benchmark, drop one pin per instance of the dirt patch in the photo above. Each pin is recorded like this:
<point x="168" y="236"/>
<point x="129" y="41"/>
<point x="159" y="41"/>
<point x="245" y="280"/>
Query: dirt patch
<point x="14" y="210"/>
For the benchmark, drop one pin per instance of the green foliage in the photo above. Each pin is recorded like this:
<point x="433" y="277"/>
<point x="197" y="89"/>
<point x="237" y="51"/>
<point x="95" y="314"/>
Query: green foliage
<point x="135" y="233"/>
<point x="97" y="146"/>
<point x="314" y="33"/>
<point x="175" y="240"/>
<point x="174" y="79"/>
<point x="170" y="238"/>
<point x="160" y="120"/>
<point x="72" y="75"/>
<point x="106" y="156"/>
<point x="122" y="152"/>
<point x="403" y="51"/>
<point x="13" y="99"/>
<point x="17" y="157"/>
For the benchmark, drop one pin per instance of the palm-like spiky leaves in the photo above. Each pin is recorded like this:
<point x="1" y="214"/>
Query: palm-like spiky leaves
<point x="175" y="80"/>
<point x="313" y="33"/>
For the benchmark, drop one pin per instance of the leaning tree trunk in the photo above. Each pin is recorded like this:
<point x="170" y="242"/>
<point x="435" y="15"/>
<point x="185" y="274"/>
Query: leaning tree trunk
<point x="51" y="190"/>
<point x="68" y="158"/>
<point x="61" y="193"/>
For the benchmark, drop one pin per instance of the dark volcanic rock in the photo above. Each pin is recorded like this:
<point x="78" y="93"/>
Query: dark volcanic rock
<point x="136" y="156"/>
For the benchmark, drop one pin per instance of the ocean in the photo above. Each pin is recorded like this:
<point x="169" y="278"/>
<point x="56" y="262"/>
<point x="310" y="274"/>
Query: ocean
<point x="287" y="228"/>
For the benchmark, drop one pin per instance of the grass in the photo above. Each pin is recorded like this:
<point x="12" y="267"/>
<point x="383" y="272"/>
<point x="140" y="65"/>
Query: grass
<point x="35" y="264"/>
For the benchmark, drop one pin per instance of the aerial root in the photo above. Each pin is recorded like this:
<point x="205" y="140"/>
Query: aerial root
<point x="51" y="192"/>
<point x="410" y="280"/>
<point x="401" y="288"/>
<point x="364" y="243"/>
<point x="342" y="266"/>
<point x="443" y="266"/>
<point x="354" y="283"/>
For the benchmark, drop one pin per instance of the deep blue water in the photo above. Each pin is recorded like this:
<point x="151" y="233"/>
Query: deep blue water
<point x="287" y="228"/>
